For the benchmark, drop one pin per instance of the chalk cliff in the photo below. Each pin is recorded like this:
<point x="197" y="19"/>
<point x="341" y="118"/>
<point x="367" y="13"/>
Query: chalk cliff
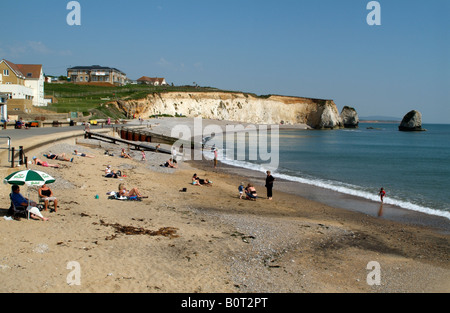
<point x="239" y="107"/>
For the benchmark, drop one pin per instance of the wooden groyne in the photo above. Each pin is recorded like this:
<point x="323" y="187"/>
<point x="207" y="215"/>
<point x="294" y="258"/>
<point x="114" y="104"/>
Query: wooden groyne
<point x="134" y="141"/>
<point x="144" y="135"/>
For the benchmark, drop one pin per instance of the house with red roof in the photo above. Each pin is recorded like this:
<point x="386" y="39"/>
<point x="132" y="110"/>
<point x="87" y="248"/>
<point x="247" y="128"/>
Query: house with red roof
<point x="23" y="84"/>
<point x="154" y="81"/>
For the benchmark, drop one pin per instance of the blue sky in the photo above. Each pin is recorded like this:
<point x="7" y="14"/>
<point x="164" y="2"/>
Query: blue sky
<point x="309" y="48"/>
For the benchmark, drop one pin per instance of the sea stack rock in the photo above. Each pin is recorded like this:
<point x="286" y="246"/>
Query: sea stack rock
<point x="329" y="119"/>
<point x="411" y="122"/>
<point x="349" y="117"/>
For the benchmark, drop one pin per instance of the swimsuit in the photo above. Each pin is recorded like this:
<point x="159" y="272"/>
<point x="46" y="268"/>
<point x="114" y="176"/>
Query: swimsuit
<point x="46" y="193"/>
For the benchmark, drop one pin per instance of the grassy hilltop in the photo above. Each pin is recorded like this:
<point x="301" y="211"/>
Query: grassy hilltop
<point x="90" y="98"/>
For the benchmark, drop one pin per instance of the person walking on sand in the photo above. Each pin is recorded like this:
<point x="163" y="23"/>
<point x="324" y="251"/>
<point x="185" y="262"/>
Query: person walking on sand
<point x="382" y="194"/>
<point x="269" y="184"/>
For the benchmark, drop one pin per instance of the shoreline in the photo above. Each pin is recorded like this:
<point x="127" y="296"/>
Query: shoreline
<point x="334" y="198"/>
<point x="316" y="193"/>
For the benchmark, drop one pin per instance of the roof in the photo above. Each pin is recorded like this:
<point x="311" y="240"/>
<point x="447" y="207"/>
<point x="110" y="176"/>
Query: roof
<point x="13" y="67"/>
<point x="32" y="71"/>
<point x="28" y="71"/>
<point x="150" y="79"/>
<point x="94" y="67"/>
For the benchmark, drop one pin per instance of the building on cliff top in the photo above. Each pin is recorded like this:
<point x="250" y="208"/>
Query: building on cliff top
<point x="96" y="74"/>
<point x="154" y="81"/>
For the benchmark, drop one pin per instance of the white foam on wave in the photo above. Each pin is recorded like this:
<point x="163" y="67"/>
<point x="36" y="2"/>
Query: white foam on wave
<point x="340" y="187"/>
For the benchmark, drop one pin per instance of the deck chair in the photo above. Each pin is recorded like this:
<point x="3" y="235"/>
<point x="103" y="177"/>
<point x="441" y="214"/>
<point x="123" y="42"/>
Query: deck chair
<point x="18" y="211"/>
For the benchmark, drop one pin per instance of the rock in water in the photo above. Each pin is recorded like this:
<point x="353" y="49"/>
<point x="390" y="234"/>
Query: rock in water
<point x="349" y="117"/>
<point x="411" y="122"/>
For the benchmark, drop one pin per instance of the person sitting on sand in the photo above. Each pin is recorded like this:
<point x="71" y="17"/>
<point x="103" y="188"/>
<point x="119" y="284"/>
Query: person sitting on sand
<point x="123" y="192"/>
<point x="43" y="163"/>
<point x="46" y="194"/>
<point x="19" y="200"/>
<point x="170" y="164"/>
<point x="250" y="192"/>
<point x="199" y="182"/>
<point x="82" y="154"/>
<point x="123" y="154"/>
<point x="196" y="180"/>
<point x="61" y="157"/>
<point x="110" y="173"/>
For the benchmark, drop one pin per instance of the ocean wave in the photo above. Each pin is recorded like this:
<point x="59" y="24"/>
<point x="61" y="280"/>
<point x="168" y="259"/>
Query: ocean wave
<point x="339" y="187"/>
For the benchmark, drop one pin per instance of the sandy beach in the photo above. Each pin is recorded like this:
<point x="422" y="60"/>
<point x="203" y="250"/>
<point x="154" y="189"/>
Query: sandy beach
<point x="204" y="240"/>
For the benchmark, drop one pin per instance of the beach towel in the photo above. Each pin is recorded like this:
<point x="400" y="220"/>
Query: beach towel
<point x="115" y="196"/>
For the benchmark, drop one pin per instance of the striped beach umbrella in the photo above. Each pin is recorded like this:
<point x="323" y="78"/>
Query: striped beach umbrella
<point x="29" y="177"/>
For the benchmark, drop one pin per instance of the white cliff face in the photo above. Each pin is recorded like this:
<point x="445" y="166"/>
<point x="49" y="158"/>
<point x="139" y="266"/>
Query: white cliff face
<point x="239" y="107"/>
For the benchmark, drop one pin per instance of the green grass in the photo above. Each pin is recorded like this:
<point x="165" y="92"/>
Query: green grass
<point x="86" y="98"/>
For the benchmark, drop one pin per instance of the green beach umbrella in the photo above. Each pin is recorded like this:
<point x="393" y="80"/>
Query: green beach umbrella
<point x="29" y="177"/>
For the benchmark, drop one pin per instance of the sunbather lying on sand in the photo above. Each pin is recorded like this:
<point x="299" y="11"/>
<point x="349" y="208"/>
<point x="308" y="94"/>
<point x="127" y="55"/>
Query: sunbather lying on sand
<point x="43" y="163"/>
<point x="61" y="157"/>
<point x="83" y="154"/>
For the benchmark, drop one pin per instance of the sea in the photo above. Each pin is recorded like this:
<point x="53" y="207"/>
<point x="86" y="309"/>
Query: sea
<point x="412" y="167"/>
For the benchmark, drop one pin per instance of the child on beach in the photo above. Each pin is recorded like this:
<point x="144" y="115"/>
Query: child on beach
<point x="382" y="194"/>
<point x="241" y="190"/>
<point x="143" y="155"/>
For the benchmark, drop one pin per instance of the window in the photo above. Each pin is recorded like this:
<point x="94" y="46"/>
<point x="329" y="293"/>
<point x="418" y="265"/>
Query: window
<point x="6" y="72"/>
<point x="29" y="74"/>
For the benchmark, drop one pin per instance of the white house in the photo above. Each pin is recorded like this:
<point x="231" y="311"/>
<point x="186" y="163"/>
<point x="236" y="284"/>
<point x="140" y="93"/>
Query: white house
<point x="34" y="79"/>
<point x="23" y="84"/>
<point x="3" y="107"/>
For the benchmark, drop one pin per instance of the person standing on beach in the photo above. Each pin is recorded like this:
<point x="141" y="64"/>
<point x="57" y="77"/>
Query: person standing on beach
<point x="215" y="158"/>
<point x="241" y="190"/>
<point x="382" y="193"/>
<point x="269" y="184"/>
